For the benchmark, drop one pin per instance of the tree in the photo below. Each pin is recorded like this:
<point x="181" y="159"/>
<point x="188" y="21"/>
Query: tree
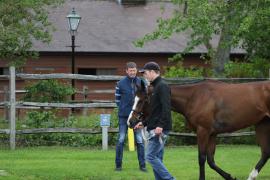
<point x="203" y="20"/>
<point x="22" y="22"/>
<point x="255" y="30"/>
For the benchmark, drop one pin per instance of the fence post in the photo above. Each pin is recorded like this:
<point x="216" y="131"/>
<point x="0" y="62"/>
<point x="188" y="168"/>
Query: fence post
<point x="104" y="137"/>
<point x="105" y="123"/>
<point x="12" y="107"/>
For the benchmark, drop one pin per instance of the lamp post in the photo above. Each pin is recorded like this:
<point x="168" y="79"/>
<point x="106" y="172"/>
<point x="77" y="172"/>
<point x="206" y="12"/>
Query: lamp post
<point x="73" y="24"/>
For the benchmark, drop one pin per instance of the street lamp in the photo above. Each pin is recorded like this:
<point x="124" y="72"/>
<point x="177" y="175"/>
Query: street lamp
<point x="73" y="24"/>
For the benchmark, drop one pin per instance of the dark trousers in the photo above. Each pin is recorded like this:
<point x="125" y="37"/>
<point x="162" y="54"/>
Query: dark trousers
<point x="121" y="142"/>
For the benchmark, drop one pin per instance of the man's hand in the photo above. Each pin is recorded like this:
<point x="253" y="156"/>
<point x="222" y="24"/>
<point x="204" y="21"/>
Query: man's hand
<point x="138" y="126"/>
<point x="158" y="130"/>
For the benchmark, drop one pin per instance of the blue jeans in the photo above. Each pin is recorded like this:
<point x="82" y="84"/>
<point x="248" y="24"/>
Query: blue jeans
<point x="154" y="155"/>
<point x="121" y="142"/>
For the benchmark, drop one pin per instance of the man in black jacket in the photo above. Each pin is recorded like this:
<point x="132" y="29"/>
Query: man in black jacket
<point x="159" y="122"/>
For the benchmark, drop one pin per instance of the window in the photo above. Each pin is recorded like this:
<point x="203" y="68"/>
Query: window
<point x="4" y="71"/>
<point x="87" y="71"/>
<point x="110" y="71"/>
<point x="97" y="71"/>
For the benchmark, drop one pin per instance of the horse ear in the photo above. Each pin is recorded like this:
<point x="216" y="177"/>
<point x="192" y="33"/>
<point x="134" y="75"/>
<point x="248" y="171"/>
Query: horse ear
<point x="144" y="86"/>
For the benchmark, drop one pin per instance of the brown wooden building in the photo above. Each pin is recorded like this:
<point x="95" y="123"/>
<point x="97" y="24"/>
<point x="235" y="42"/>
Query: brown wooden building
<point x="105" y="42"/>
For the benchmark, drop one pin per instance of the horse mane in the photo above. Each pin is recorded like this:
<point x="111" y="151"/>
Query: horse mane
<point x="196" y="81"/>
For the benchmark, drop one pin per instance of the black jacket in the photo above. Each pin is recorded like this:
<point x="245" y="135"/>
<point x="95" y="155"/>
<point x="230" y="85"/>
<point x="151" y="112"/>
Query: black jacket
<point x="160" y="107"/>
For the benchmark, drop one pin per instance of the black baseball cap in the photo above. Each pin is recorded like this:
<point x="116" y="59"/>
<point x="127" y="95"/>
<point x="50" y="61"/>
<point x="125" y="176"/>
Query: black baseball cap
<point x="150" y="66"/>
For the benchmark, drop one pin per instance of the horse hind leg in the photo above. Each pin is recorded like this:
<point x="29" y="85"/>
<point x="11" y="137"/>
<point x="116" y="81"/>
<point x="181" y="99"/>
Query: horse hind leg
<point x="263" y="139"/>
<point x="211" y="161"/>
<point x="202" y="140"/>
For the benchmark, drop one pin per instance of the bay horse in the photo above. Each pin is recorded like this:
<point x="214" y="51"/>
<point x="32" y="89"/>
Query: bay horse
<point x="213" y="107"/>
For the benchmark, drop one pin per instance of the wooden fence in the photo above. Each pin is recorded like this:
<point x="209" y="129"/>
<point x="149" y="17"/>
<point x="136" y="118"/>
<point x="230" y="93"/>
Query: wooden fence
<point x="12" y="104"/>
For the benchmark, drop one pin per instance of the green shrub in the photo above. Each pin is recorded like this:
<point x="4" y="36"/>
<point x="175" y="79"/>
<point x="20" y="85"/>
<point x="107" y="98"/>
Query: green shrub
<point x="179" y="123"/>
<point x="43" y="119"/>
<point x="48" y="91"/>
<point x="48" y="119"/>
<point x="256" y="68"/>
<point x="45" y="91"/>
<point x="191" y="72"/>
<point x="261" y="66"/>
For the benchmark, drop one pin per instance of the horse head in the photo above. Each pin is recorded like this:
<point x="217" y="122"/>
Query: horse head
<point x="140" y="108"/>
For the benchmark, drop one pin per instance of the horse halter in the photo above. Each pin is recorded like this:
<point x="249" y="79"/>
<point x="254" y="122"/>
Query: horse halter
<point x="139" y="115"/>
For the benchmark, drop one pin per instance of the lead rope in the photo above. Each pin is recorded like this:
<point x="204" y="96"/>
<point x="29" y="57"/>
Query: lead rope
<point x="152" y="134"/>
<point x="143" y="130"/>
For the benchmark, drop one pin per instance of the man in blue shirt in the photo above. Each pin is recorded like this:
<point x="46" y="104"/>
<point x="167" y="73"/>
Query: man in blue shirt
<point x="124" y="96"/>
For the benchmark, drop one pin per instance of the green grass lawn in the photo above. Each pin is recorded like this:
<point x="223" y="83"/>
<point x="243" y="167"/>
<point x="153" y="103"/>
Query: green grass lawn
<point x="65" y="163"/>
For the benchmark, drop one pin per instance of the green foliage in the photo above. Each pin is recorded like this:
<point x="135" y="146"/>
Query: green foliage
<point x="259" y="68"/>
<point x="63" y="139"/>
<point x="255" y="29"/>
<point x="43" y="119"/>
<point x="255" y="68"/>
<point x="202" y="19"/>
<point x="261" y="65"/>
<point x="48" y="91"/>
<point x="89" y="121"/>
<point x="235" y="22"/>
<point x="179" y="123"/>
<point x="23" y="21"/>
<point x="48" y="119"/>
<point x="239" y="70"/>
<point x="191" y="72"/>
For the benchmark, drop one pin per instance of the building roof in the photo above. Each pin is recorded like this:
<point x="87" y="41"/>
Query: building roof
<point x="107" y="26"/>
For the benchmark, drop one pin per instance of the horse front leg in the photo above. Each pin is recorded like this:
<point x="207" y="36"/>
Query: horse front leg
<point x="211" y="160"/>
<point x="202" y="141"/>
